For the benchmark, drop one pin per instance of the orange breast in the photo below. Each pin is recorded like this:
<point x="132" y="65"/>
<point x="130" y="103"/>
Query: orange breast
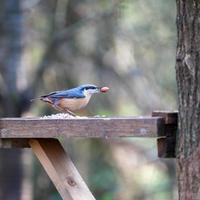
<point x="73" y="104"/>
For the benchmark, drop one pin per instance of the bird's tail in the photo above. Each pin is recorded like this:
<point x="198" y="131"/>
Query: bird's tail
<point x="38" y="98"/>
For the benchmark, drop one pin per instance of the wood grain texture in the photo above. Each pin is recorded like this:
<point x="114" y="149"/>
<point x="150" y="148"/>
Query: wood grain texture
<point x="85" y="127"/>
<point x="60" y="169"/>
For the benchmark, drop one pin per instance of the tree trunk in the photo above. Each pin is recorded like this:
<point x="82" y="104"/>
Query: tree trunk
<point x="188" y="81"/>
<point x="10" y="60"/>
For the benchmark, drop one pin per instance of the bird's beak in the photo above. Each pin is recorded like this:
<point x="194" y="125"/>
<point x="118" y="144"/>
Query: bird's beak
<point x="103" y="89"/>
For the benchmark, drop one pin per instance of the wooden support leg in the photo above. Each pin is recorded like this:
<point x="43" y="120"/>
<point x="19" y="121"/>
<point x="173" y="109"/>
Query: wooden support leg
<point x="60" y="169"/>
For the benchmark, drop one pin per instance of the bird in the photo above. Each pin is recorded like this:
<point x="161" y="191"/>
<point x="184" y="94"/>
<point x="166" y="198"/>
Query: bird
<point x="73" y="99"/>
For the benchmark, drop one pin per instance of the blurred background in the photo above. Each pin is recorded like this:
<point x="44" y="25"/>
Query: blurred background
<point x="128" y="46"/>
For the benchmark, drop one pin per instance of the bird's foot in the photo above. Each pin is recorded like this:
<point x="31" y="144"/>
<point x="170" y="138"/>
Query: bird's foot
<point x="64" y="110"/>
<point x="71" y="113"/>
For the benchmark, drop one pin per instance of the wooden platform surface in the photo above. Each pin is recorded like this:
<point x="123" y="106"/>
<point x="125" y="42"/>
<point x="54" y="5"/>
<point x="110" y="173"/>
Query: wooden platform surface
<point x="81" y="127"/>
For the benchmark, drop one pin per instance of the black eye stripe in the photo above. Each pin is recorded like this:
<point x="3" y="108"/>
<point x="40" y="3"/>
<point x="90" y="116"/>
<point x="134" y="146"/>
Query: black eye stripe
<point x="90" y="87"/>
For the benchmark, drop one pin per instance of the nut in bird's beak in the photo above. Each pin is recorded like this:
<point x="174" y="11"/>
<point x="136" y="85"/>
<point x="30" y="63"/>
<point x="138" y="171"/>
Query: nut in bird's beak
<point x="104" y="89"/>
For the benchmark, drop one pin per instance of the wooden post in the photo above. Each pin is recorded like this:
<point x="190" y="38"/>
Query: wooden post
<point x="166" y="142"/>
<point x="60" y="169"/>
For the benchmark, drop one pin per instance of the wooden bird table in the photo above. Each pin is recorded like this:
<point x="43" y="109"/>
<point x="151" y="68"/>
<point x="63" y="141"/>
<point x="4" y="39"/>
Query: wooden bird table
<point x="41" y="136"/>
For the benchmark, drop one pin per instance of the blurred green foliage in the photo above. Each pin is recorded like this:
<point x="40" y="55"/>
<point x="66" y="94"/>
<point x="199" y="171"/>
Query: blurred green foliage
<point x="102" y="179"/>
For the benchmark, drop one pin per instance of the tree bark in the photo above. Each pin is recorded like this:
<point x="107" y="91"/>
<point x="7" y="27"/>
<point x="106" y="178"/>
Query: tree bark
<point x="188" y="81"/>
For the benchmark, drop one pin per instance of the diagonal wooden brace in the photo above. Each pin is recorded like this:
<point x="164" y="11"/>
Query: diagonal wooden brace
<point x="166" y="142"/>
<point x="60" y="169"/>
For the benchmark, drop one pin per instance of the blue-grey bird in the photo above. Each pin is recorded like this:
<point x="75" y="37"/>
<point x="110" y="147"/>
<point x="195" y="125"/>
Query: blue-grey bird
<point x="72" y="99"/>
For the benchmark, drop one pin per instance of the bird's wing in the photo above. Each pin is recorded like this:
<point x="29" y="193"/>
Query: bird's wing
<point x="72" y="93"/>
<point x="52" y="93"/>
